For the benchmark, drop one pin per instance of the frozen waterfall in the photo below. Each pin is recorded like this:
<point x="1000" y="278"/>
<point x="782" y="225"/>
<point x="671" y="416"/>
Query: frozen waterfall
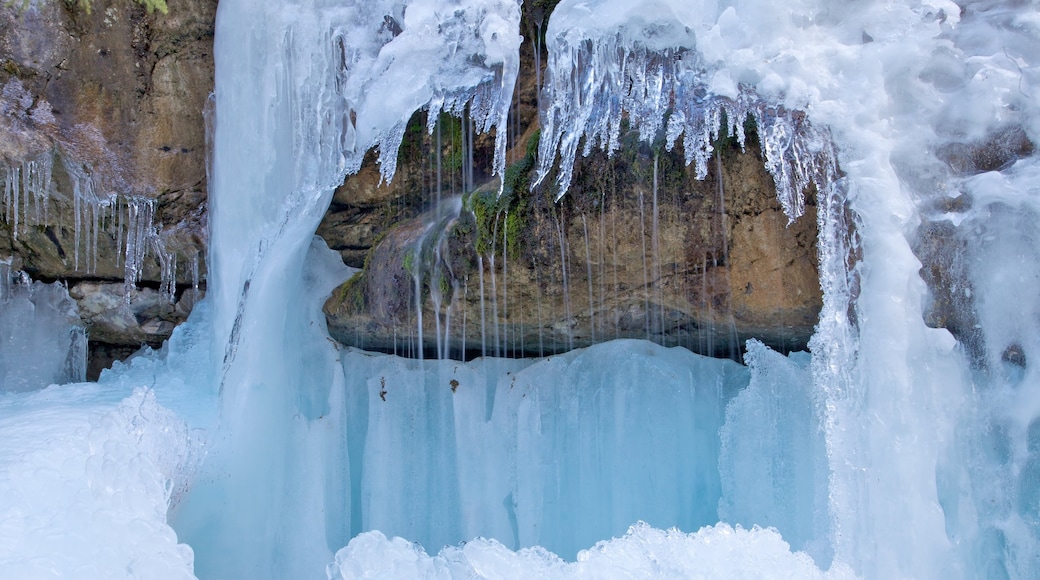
<point x="906" y="445"/>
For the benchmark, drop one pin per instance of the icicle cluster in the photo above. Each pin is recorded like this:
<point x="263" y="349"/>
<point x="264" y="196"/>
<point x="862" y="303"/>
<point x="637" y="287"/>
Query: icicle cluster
<point x="142" y="235"/>
<point x="469" y="55"/>
<point x="28" y="187"/>
<point x="26" y="190"/>
<point x="595" y="85"/>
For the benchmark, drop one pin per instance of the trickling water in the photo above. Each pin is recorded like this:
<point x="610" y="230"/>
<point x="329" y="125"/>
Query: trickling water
<point x="495" y="319"/>
<point x="588" y="277"/>
<point x="647" y="287"/>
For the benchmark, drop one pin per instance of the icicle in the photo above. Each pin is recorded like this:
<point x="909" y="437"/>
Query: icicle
<point x="84" y="197"/>
<point x="568" y="313"/>
<point x="120" y="228"/>
<point x="592" y="84"/>
<point x="141" y="234"/>
<point x="646" y="274"/>
<point x="5" y="280"/>
<point x="167" y="268"/>
<point x="655" y="247"/>
<point x="588" y="277"/>
<point x="195" y="273"/>
<point x="14" y="187"/>
<point x="483" y="317"/>
<point x="494" y="303"/>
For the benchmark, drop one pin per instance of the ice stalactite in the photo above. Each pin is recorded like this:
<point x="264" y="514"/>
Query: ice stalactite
<point x="27" y="188"/>
<point x="142" y="236"/>
<point x="599" y="77"/>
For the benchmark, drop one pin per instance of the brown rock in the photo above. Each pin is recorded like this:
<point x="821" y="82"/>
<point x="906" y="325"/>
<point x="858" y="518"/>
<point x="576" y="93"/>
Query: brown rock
<point x="594" y="267"/>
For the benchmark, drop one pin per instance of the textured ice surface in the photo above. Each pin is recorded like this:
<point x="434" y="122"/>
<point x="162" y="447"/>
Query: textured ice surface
<point x="560" y="452"/>
<point x="643" y="552"/>
<point x="650" y="67"/>
<point x="908" y="99"/>
<point x="773" y="461"/>
<point x="303" y="90"/>
<point x="85" y="483"/>
<point x="42" y="340"/>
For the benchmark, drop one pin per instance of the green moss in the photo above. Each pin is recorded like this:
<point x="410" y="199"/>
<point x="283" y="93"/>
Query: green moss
<point x="727" y="142"/>
<point x="506" y="210"/>
<point x="451" y="143"/>
<point x="409" y="263"/>
<point x="11" y="68"/>
<point x="417" y="144"/>
<point x="85" y="5"/>
<point x="351" y="296"/>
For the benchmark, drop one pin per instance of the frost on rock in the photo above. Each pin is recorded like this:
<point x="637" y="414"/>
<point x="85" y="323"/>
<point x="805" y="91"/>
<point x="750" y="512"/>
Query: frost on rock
<point x="646" y="71"/>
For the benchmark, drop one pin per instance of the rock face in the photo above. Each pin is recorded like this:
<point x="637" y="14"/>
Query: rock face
<point x="637" y="249"/>
<point x="103" y="149"/>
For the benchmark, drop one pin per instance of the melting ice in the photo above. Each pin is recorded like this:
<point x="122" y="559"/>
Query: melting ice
<point x="895" y="450"/>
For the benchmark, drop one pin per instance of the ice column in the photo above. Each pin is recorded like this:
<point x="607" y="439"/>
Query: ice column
<point x="303" y="90"/>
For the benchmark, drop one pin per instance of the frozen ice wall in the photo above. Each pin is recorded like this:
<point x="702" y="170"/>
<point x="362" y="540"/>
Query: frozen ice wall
<point x="560" y="452"/>
<point x="773" y="463"/>
<point x="42" y="340"/>
<point x="303" y="90"/>
<point x="897" y="112"/>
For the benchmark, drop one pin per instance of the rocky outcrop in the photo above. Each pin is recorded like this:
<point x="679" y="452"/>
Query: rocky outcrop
<point x="949" y="253"/>
<point x="638" y="248"/>
<point x="103" y="152"/>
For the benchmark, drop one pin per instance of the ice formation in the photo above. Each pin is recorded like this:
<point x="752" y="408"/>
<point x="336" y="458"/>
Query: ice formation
<point x="895" y="450"/>
<point x="642" y="552"/>
<point x="87" y="484"/>
<point x="42" y="340"/>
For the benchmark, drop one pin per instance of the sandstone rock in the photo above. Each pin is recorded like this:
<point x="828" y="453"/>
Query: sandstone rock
<point x="721" y="265"/>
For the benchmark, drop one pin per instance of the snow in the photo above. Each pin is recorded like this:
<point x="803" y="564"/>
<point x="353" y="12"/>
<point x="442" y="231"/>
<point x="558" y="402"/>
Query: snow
<point x="642" y="552"/>
<point x="87" y="484"/>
